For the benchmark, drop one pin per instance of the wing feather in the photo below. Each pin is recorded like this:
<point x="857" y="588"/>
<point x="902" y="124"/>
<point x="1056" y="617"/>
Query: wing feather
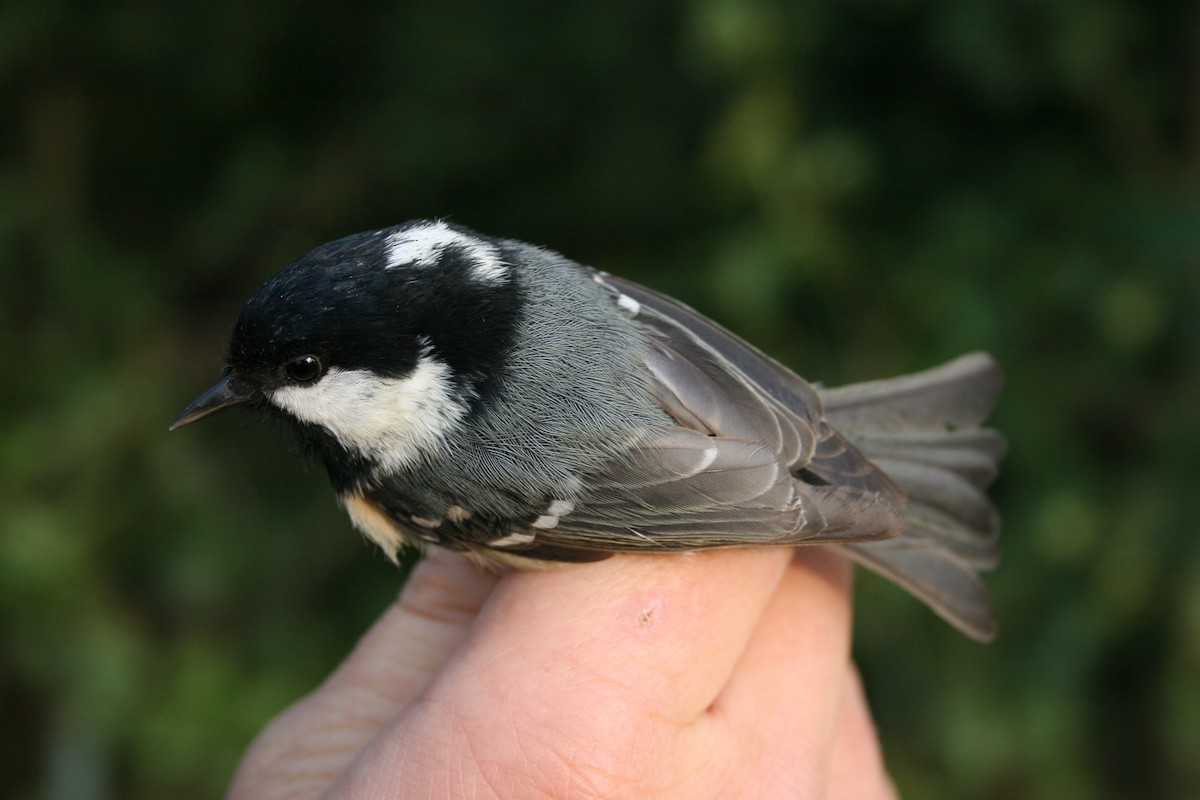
<point x="751" y="461"/>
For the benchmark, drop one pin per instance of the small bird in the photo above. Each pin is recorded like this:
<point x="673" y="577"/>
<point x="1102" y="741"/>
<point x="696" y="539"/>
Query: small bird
<point x="497" y="399"/>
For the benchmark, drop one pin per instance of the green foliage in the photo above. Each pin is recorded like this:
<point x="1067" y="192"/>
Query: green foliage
<point x="862" y="188"/>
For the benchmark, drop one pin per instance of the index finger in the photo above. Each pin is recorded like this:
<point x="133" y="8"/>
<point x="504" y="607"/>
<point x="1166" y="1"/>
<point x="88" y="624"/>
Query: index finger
<point x="657" y="634"/>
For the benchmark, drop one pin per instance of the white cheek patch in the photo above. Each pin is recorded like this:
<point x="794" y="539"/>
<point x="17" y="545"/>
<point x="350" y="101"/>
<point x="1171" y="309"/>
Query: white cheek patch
<point x="394" y="421"/>
<point x="422" y="246"/>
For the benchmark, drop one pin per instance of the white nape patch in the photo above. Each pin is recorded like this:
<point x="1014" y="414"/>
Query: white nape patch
<point x="629" y="304"/>
<point x="513" y="539"/>
<point x="422" y="246"/>
<point x="546" y="522"/>
<point x="457" y="514"/>
<point x="393" y="421"/>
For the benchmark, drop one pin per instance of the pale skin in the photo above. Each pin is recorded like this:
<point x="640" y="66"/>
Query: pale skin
<point x="712" y="675"/>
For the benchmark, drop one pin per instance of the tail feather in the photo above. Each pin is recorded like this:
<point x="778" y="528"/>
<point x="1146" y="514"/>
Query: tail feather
<point x="933" y="526"/>
<point x="923" y="431"/>
<point x="948" y="585"/>
<point x="945" y="491"/>
<point x="971" y="453"/>
<point x="958" y="394"/>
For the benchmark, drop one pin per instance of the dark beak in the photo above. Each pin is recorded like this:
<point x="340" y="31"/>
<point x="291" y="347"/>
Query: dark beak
<point x="221" y="396"/>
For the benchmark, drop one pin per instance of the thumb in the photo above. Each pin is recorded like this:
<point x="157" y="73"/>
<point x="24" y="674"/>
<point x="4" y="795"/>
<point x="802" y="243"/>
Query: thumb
<point x="303" y="750"/>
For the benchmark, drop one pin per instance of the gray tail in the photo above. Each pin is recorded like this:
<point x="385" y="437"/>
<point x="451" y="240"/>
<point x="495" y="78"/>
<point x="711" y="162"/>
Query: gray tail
<point x="924" y="431"/>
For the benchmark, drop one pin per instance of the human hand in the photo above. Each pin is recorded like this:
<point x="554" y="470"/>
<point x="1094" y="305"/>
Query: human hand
<point x="721" y="674"/>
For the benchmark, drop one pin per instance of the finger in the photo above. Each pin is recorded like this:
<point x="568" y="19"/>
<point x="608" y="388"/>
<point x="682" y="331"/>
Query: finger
<point x="402" y="651"/>
<point x="303" y="750"/>
<point x="579" y="676"/>
<point x="857" y="771"/>
<point x="658" y="635"/>
<point x="778" y="712"/>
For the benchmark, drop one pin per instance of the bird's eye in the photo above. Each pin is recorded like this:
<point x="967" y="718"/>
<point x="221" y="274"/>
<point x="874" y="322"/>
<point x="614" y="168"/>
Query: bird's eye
<point x="304" y="369"/>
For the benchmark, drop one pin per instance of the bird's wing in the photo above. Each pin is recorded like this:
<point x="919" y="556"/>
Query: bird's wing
<point x="752" y="460"/>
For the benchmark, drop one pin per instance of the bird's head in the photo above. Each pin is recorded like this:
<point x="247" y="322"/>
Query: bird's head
<point x="376" y="345"/>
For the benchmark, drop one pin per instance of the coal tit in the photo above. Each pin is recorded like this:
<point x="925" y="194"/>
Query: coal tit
<point x="497" y="399"/>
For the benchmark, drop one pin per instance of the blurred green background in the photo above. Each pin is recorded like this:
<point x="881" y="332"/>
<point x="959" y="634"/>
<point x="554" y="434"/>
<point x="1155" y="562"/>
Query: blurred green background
<point x="860" y="187"/>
